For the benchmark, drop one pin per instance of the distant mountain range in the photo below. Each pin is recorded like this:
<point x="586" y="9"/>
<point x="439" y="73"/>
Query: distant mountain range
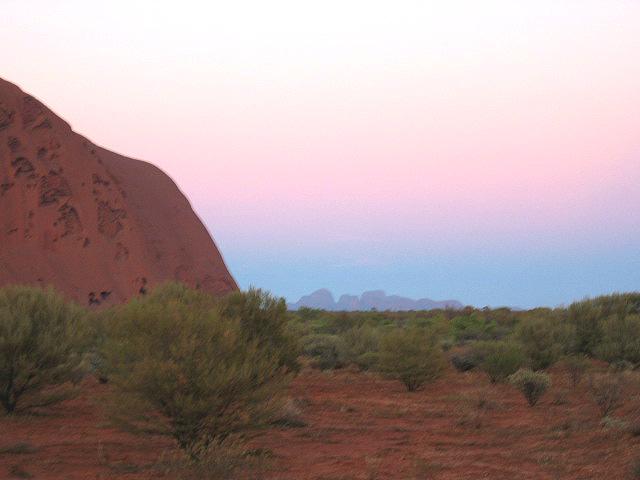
<point x="375" y="299"/>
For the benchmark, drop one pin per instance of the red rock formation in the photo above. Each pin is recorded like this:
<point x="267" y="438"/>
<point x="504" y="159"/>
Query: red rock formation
<point x="98" y="226"/>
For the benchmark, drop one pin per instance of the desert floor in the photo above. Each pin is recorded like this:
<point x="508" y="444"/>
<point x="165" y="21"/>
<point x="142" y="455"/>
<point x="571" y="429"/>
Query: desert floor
<point x="359" y="426"/>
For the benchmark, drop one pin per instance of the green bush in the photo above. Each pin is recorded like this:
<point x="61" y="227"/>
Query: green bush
<point x="213" y="460"/>
<point x="620" y="339"/>
<point x="532" y="384"/>
<point x="576" y="366"/>
<point x="362" y="345"/>
<point x="615" y="304"/>
<point x="606" y="389"/>
<point x="327" y="352"/>
<point x="472" y="327"/>
<point x="586" y="318"/>
<point x="412" y="356"/>
<point x="308" y="314"/>
<point x="42" y="341"/>
<point x="337" y="323"/>
<point x="180" y="367"/>
<point x="463" y="361"/>
<point x="635" y="468"/>
<point x="544" y="340"/>
<point x="264" y="319"/>
<point x="499" y="359"/>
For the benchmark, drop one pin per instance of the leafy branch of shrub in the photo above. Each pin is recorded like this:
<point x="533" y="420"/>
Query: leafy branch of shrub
<point x="532" y="384"/>
<point x="42" y="341"/>
<point x="190" y="372"/>
<point x="412" y="356"/>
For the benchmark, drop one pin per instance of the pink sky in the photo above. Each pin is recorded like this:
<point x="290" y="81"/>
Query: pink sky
<point x="380" y="129"/>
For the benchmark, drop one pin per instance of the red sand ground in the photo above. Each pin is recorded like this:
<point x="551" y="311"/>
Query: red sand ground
<point x="361" y="427"/>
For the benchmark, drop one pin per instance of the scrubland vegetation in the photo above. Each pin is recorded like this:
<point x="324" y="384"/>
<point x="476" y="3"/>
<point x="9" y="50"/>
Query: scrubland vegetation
<point x="42" y="341"/>
<point x="499" y="342"/>
<point x="181" y="363"/>
<point x="210" y="373"/>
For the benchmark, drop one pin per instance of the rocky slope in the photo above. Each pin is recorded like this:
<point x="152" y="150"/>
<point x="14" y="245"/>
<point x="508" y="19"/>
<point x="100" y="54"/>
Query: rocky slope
<point x="374" y="299"/>
<point x="98" y="226"/>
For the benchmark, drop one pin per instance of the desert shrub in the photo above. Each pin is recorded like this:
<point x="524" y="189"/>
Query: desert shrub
<point x="472" y="409"/>
<point x="606" y="389"/>
<point x="608" y="327"/>
<point x="634" y="427"/>
<point x="307" y="314"/>
<point x="413" y="356"/>
<point x="499" y="359"/>
<point x="585" y="317"/>
<point x="362" y="346"/>
<point x="214" y="460"/>
<point x="42" y="340"/>
<point x="635" y="468"/>
<point x="435" y="322"/>
<point x="327" y="352"/>
<point x="621" y="366"/>
<point x="20" y="448"/>
<point x="186" y="370"/>
<point x="339" y="322"/>
<point x="616" y="304"/>
<point x="576" y="366"/>
<point x="532" y="384"/>
<point x="290" y="415"/>
<point x="264" y="320"/>
<point x="472" y="327"/>
<point x="544" y="340"/>
<point x="620" y="339"/>
<point x="505" y="320"/>
<point x="465" y="360"/>
<point x="180" y="293"/>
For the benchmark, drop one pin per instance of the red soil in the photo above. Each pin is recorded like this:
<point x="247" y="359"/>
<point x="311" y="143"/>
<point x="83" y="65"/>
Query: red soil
<point x="362" y="427"/>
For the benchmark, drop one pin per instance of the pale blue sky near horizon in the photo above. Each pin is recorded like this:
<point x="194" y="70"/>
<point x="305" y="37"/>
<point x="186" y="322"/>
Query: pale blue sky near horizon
<point x="520" y="280"/>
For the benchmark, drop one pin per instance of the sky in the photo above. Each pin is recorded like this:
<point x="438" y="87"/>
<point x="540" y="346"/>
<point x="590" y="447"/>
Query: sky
<point x="483" y="151"/>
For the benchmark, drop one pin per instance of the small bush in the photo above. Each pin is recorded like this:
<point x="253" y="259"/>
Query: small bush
<point x="20" y="448"/>
<point x="620" y="366"/>
<point x="362" y="345"/>
<point x="615" y="424"/>
<point x="635" y="468"/>
<point x="412" y="356"/>
<point x="585" y="317"/>
<point x="532" y="384"/>
<point x="215" y="460"/>
<point x="473" y="409"/>
<point x="17" y="471"/>
<point x="327" y="352"/>
<point x="368" y="360"/>
<point x="264" y="320"/>
<point x="621" y="339"/>
<point x="606" y="389"/>
<point x="472" y="327"/>
<point x="184" y="369"/>
<point x="464" y="361"/>
<point x="576" y="366"/>
<point x="544" y="340"/>
<point x="42" y="341"/>
<point x="499" y="359"/>
<point x="290" y="415"/>
<point x="634" y="427"/>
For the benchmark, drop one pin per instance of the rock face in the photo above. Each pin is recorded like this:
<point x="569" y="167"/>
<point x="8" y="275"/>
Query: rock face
<point x="374" y="299"/>
<point x="322" y="299"/>
<point x="98" y="226"/>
